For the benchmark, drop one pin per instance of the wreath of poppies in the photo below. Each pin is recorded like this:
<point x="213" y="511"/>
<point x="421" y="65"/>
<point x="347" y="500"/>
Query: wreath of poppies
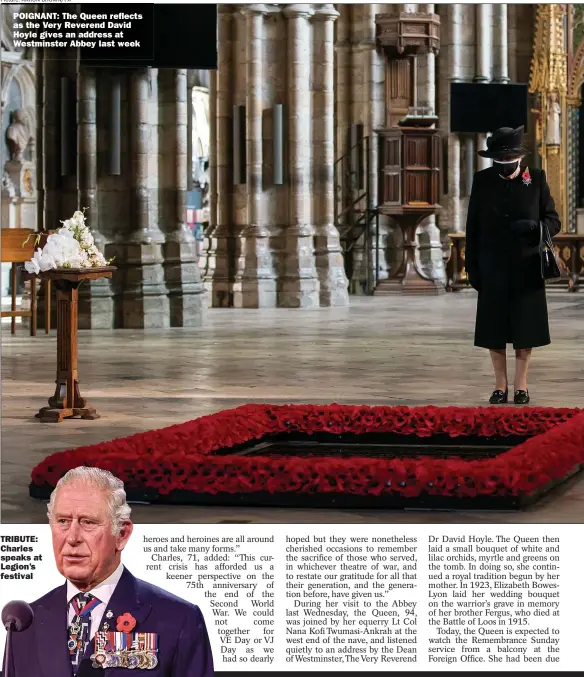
<point x="185" y="458"/>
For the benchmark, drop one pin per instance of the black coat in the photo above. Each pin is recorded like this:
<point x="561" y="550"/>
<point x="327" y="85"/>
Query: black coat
<point x="505" y="267"/>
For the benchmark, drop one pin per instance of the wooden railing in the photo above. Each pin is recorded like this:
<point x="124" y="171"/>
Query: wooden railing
<point x="569" y="249"/>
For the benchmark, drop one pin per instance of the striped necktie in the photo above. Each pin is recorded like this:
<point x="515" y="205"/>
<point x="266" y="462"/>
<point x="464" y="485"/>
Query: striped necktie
<point x="80" y="627"/>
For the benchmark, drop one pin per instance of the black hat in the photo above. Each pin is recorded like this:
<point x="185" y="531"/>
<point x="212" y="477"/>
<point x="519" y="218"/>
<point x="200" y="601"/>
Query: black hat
<point x="506" y="144"/>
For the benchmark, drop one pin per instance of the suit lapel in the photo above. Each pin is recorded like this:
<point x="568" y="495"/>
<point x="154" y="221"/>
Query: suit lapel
<point x="126" y="599"/>
<point x="51" y="635"/>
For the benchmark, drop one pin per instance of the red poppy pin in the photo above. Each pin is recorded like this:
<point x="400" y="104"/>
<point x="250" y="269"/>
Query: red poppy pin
<point x="526" y="176"/>
<point x="125" y="623"/>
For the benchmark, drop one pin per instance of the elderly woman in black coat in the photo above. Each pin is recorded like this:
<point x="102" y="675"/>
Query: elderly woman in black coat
<point x="507" y="203"/>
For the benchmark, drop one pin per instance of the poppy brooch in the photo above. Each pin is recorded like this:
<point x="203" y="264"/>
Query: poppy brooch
<point x="125" y="623"/>
<point x="526" y="176"/>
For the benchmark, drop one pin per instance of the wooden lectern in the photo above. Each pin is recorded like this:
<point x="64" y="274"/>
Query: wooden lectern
<point x="67" y="401"/>
<point x="409" y="182"/>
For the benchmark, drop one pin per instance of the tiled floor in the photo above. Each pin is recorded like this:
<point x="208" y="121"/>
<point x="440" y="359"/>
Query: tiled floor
<point x="380" y="350"/>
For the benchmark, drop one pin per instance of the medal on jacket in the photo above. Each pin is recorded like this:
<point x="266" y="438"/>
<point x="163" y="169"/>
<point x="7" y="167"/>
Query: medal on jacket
<point x="125" y="650"/>
<point x="526" y="176"/>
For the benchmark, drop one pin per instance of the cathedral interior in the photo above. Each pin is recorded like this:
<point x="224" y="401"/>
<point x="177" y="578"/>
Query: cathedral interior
<point x="254" y="214"/>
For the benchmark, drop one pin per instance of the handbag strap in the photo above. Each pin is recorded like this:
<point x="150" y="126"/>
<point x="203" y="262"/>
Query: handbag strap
<point x="544" y="235"/>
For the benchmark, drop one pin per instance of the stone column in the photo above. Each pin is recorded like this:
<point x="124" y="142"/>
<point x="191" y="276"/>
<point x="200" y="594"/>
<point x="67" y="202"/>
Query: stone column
<point x="343" y="79"/>
<point x="140" y="278"/>
<point x="501" y="61"/>
<point x="360" y="110"/>
<point x="329" y="258"/>
<point x="513" y="21"/>
<point x="484" y="43"/>
<point x="50" y="150"/>
<point x="430" y="247"/>
<point x="255" y="278"/>
<point x="374" y="118"/>
<point x="484" y="63"/>
<point x="204" y="260"/>
<point x="48" y="160"/>
<point x="96" y="307"/>
<point x="183" y="279"/>
<point x="218" y="265"/>
<point x="451" y="65"/>
<point x="39" y="160"/>
<point x="299" y="286"/>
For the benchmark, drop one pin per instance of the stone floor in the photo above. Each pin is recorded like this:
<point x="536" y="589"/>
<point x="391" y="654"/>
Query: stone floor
<point x="412" y="351"/>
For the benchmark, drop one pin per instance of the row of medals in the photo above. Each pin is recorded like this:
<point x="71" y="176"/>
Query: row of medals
<point x="141" y="659"/>
<point x="125" y="658"/>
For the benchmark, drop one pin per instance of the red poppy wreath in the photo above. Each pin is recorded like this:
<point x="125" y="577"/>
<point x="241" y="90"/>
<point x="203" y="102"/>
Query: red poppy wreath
<point x="203" y="457"/>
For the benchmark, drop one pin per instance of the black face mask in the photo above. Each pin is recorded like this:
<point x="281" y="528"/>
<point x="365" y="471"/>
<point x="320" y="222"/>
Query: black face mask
<point x="506" y="169"/>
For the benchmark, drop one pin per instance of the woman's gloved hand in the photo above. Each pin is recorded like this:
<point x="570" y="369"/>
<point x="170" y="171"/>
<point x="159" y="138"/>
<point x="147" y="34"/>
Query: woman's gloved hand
<point x="523" y="226"/>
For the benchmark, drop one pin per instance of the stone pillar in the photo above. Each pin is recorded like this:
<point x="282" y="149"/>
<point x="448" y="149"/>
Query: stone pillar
<point x="501" y="61"/>
<point x="138" y="254"/>
<point x="374" y="118"/>
<point x="40" y="97"/>
<point x="50" y="152"/>
<point x="513" y="16"/>
<point x="299" y="286"/>
<point x="360" y="110"/>
<point x="430" y="247"/>
<point x="484" y="43"/>
<point x="218" y="274"/>
<point x="344" y="98"/>
<point x="255" y="278"/>
<point x="183" y="279"/>
<point x="48" y="160"/>
<point x="450" y="71"/>
<point x="329" y="258"/>
<point x="343" y="79"/>
<point x="484" y="63"/>
<point x="204" y="259"/>
<point x="96" y="306"/>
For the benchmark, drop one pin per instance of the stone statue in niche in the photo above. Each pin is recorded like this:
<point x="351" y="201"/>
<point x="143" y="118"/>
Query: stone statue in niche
<point x="553" y="131"/>
<point x="18" y="135"/>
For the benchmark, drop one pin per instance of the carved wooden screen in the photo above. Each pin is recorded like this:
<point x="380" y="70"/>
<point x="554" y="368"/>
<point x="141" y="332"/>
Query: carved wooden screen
<point x="391" y="168"/>
<point x="399" y="89"/>
<point x="421" y="169"/>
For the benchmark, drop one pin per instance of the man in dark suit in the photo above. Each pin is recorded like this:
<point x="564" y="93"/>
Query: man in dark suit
<point x="103" y="617"/>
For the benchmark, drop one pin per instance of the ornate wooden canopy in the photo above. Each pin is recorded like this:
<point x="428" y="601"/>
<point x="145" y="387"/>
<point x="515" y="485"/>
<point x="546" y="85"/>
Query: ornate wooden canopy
<point x="408" y="33"/>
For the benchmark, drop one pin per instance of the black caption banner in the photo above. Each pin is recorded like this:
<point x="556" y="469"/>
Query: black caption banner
<point x="139" y="35"/>
<point x="101" y="31"/>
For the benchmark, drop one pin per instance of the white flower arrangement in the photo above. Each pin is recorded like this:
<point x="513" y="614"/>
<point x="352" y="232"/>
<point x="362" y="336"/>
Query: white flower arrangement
<point x="72" y="246"/>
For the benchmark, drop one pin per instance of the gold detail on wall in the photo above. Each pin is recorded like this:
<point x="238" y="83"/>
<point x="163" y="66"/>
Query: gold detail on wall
<point x="575" y="56"/>
<point x="549" y="82"/>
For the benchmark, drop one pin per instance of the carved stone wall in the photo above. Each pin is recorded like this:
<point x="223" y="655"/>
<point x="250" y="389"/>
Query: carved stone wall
<point x="139" y="215"/>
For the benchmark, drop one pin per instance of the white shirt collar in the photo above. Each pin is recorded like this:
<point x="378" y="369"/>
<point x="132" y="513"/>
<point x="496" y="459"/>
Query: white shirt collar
<point x="103" y="591"/>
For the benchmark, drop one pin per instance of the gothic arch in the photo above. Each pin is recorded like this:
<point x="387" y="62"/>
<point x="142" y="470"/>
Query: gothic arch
<point x="23" y="74"/>
<point x="576" y="75"/>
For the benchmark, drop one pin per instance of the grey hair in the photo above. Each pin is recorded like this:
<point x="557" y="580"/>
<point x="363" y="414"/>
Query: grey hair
<point x="119" y="509"/>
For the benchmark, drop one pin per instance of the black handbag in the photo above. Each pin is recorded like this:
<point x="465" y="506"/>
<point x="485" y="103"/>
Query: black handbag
<point x="549" y="264"/>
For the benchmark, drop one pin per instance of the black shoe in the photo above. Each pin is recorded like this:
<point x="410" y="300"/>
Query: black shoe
<point x="499" y="397"/>
<point x="521" y="397"/>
